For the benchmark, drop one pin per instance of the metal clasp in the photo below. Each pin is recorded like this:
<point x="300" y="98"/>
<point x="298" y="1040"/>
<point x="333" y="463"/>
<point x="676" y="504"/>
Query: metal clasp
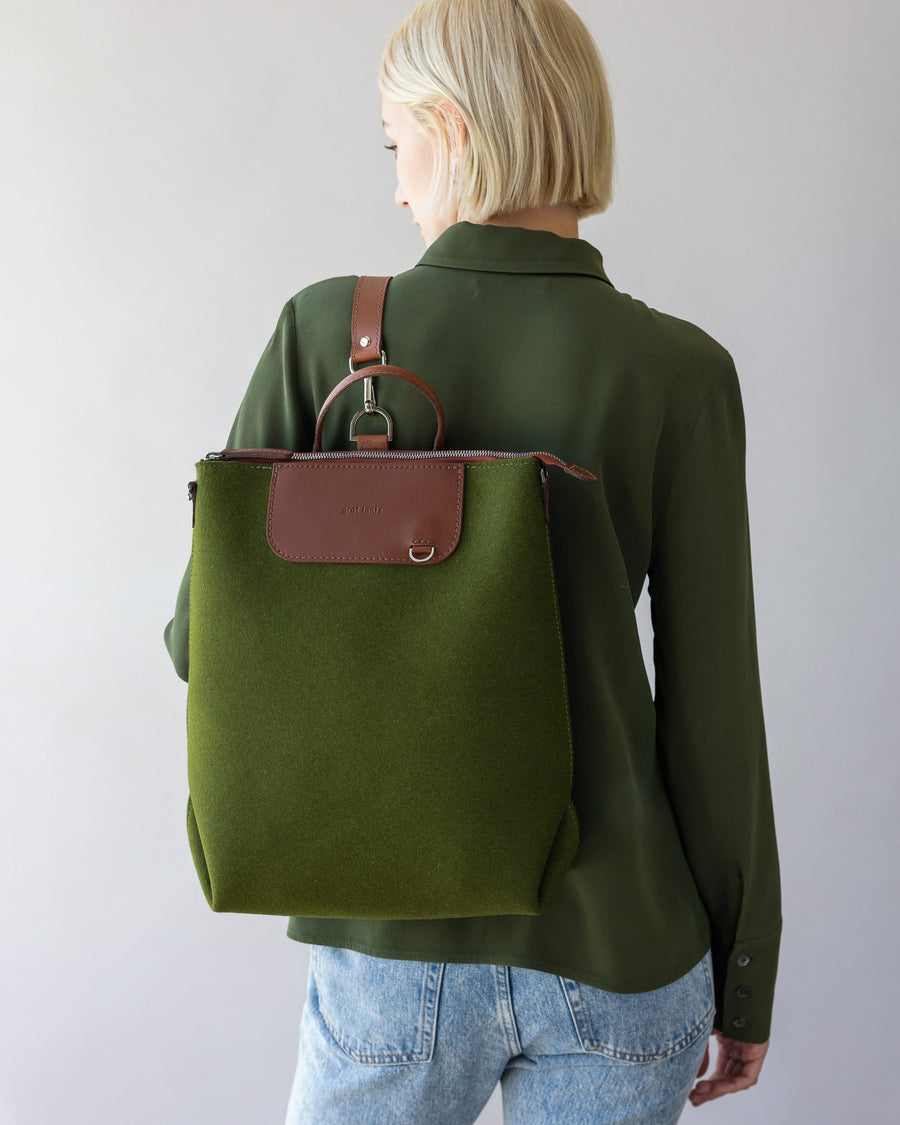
<point x="369" y="404"/>
<point x="369" y="394"/>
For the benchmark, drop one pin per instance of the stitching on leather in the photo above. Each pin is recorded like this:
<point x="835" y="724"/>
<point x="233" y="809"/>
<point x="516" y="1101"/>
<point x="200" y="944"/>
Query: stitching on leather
<point x="355" y="324"/>
<point x="335" y="466"/>
<point x="379" y="312"/>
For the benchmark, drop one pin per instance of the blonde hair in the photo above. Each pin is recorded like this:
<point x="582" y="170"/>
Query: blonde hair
<point x="528" y="80"/>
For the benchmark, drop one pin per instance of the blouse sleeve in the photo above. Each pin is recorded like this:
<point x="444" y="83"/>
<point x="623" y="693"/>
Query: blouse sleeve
<point x="269" y="417"/>
<point x="710" y="736"/>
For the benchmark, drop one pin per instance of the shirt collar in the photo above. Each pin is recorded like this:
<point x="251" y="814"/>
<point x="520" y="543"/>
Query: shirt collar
<point x="483" y="246"/>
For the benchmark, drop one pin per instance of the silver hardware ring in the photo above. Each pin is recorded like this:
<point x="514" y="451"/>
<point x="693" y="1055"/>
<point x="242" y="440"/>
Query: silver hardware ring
<point x="375" y="410"/>
<point x="417" y="559"/>
<point x="383" y="360"/>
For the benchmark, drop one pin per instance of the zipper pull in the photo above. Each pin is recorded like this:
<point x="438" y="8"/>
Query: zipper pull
<point x="192" y="496"/>
<point x="545" y="485"/>
<point x="261" y="454"/>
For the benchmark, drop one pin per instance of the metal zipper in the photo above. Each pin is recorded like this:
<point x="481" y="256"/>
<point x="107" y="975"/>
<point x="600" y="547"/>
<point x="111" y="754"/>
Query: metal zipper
<point x="398" y="455"/>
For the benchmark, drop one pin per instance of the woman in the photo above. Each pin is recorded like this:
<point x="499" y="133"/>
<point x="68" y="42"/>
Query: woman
<point x="667" y="925"/>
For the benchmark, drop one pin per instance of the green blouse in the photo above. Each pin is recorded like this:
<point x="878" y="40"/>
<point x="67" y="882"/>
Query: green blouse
<point x="529" y="346"/>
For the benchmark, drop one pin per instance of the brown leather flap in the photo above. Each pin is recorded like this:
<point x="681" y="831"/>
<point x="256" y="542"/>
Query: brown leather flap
<point x="336" y="510"/>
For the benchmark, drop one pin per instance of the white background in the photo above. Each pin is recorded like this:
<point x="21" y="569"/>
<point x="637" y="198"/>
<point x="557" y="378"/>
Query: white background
<point x="171" y="174"/>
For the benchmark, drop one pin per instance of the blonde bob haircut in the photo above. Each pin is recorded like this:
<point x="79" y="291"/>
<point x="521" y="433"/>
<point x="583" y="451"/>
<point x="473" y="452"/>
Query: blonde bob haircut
<point x="528" y="80"/>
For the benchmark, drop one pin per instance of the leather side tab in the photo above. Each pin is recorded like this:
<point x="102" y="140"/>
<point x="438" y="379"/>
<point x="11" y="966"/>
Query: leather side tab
<point x="567" y="466"/>
<point x="365" y="511"/>
<point x="368" y="309"/>
<point x="252" y="454"/>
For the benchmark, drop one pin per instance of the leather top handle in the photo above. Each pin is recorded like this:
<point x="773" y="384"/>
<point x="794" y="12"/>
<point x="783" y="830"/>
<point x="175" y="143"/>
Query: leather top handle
<point x="393" y="372"/>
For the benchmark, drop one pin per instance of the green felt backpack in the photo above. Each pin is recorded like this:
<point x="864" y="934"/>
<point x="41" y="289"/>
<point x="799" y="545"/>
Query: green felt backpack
<point x="377" y="714"/>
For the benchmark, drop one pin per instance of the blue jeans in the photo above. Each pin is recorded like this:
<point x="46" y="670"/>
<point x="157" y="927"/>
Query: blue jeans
<point x="386" y="1041"/>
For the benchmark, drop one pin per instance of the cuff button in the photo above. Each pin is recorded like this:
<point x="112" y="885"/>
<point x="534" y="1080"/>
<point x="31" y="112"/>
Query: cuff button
<point x="743" y="959"/>
<point x="741" y="1021"/>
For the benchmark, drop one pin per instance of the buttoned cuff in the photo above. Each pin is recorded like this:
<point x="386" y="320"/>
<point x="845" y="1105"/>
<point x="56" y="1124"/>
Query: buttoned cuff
<point x="745" y="999"/>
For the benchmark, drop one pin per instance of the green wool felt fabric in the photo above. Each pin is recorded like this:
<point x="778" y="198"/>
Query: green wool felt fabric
<point x="378" y="741"/>
<point x="529" y="345"/>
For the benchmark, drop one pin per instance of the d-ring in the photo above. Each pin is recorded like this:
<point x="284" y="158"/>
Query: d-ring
<point x="375" y="410"/>
<point x="417" y="559"/>
<point x="383" y="360"/>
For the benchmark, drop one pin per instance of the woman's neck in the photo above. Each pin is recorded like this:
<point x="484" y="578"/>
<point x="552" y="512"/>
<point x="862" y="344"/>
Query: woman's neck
<point x="561" y="219"/>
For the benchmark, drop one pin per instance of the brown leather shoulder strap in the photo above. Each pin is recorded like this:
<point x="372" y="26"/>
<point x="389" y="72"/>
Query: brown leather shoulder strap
<point x="368" y="310"/>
